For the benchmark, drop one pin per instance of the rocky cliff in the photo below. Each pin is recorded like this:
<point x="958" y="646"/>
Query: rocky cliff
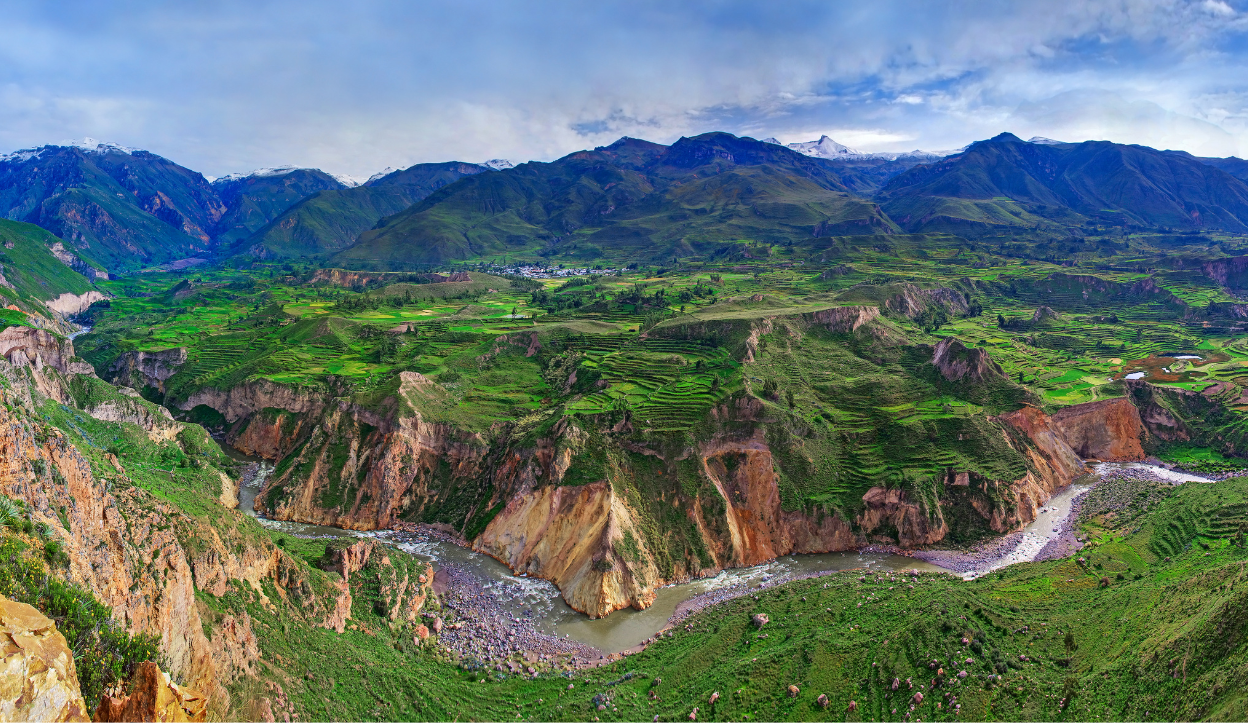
<point x="153" y="697"/>
<point x="956" y="362"/>
<point x="24" y="346"/>
<point x="140" y="369"/>
<point x="72" y="304"/>
<point x="1109" y="430"/>
<point x="139" y="555"/>
<point x="38" y="681"/>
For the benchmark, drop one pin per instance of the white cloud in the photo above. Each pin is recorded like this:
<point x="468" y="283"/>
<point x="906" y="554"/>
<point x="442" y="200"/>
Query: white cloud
<point x="238" y="85"/>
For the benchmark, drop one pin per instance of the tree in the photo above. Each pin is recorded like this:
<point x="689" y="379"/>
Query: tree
<point x="1000" y="321"/>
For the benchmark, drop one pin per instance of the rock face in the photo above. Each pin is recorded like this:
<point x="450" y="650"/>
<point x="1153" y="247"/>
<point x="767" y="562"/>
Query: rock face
<point x="154" y="697"/>
<point x="565" y="535"/>
<point x="911" y="300"/>
<point x="117" y="534"/>
<point x="956" y="362"/>
<point x="24" y="346"/>
<point x="71" y="304"/>
<point x="247" y="399"/>
<point x="1108" y="430"/>
<point x="139" y="369"/>
<point x="38" y="681"/>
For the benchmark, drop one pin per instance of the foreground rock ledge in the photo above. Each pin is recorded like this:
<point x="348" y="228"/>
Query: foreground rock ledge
<point x="38" y="681"/>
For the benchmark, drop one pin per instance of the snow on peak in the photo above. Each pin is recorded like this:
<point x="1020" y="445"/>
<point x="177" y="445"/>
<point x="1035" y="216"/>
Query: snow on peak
<point x="348" y="181"/>
<point x="91" y="145"/>
<point x="380" y="174"/>
<point x="258" y="173"/>
<point x="831" y="150"/>
<point x="1042" y="141"/>
<point x="773" y="141"/>
<point x="22" y="156"/>
<point x="498" y="164"/>
<point x="824" y="148"/>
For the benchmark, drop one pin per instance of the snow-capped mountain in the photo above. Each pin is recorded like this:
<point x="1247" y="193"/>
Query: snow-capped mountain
<point x="379" y="174"/>
<point x="258" y="173"/>
<point x="89" y="145"/>
<point x="1041" y="140"/>
<point x="829" y="149"/>
<point x="824" y="148"/>
<point x="498" y="164"/>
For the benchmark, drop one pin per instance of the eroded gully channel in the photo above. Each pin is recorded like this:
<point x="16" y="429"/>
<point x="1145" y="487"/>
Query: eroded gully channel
<point x="539" y="601"/>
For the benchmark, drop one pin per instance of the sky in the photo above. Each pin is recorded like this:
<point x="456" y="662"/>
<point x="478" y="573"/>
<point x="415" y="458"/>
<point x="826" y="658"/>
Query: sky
<point x="353" y="88"/>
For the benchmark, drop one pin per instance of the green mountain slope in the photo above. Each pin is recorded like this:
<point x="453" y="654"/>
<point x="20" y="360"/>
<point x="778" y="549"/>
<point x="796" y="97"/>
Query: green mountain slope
<point x="632" y="199"/>
<point x="1008" y="183"/>
<point x="31" y="273"/>
<point x="257" y="199"/>
<point x="123" y="209"/>
<point x="332" y="220"/>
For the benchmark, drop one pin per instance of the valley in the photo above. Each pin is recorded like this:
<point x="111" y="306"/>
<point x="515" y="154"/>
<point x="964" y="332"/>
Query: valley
<point x="467" y="454"/>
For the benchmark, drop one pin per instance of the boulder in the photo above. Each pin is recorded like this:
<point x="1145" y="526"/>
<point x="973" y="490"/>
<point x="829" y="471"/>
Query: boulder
<point x="793" y="691"/>
<point x="38" y="680"/>
<point x="153" y="697"/>
<point x="760" y="619"/>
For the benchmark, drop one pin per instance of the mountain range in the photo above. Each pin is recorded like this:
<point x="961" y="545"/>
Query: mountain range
<point x="124" y="209"/>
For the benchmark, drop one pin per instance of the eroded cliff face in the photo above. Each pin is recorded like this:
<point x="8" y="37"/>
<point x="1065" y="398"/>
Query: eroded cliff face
<point x="567" y="535"/>
<point x="130" y="548"/>
<point x="23" y="346"/>
<point x="68" y="304"/>
<point x="139" y="369"/>
<point x="1109" y="430"/>
<point x="254" y="396"/>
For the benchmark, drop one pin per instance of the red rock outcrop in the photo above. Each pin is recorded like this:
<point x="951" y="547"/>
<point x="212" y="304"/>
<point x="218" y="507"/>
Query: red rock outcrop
<point x="956" y="362"/>
<point x="153" y="697"/>
<point x="1109" y="430"/>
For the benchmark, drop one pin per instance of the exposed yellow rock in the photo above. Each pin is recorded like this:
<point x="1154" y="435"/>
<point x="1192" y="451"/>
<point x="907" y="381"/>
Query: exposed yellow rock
<point x="154" y="697"/>
<point x="38" y="681"/>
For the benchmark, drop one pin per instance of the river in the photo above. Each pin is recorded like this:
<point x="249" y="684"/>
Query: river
<point x="540" y="601"/>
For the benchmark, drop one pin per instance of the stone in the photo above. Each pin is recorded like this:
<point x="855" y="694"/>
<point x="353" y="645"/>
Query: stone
<point x="760" y="619"/>
<point x="793" y="691"/>
<point x="154" y="697"/>
<point x="822" y="700"/>
<point x="714" y="697"/>
<point x="853" y="706"/>
<point x="917" y="698"/>
<point x="38" y="680"/>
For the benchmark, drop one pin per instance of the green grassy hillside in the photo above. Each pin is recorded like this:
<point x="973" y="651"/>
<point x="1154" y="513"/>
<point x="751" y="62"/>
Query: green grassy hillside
<point x="33" y="273"/>
<point x="630" y="201"/>
<point x="333" y="220"/>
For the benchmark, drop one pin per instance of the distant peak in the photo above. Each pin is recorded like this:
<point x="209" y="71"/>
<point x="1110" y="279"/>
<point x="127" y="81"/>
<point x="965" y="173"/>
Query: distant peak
<point x="774" y="141"/>
<point x="1005" y="138"/>
<point x="829" y="149"/>
<point x="1042" y="141"/>
<point x="380" y="174"/>
<point x="498" y="164"/>
<point x="91" y="145"/>
<point x="825" y="147"/>
<point x="348" y="181"/>
<point x="88" y="145"/>
<point x="258" y="173"/>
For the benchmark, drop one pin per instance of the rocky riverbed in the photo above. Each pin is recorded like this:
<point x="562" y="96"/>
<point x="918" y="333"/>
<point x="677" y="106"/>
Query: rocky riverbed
<point x="482" y="633"/>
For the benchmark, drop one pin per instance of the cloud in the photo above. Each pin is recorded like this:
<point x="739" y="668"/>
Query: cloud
<point x="230" y="85"/>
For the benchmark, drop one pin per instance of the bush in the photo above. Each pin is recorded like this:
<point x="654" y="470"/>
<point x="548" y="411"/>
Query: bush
<point x="104" y="653"/>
